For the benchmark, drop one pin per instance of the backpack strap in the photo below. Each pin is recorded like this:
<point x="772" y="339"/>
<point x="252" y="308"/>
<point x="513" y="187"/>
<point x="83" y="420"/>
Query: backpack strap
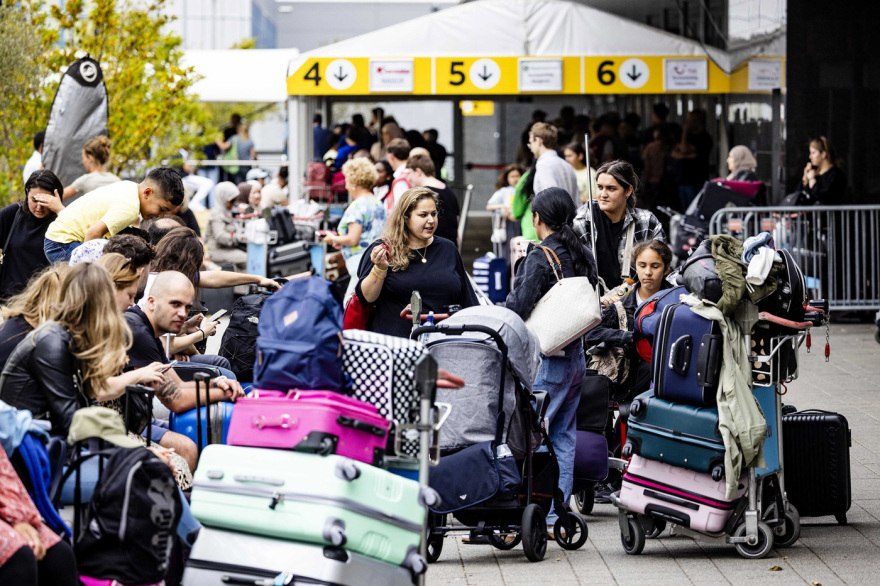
<point x="626" y="263"/>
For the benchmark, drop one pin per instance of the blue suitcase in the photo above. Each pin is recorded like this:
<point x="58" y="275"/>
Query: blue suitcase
<point x="676" y="434"/>
<point x="217" y="424"/>
<point x="490" y="275"/>
<point x="686" y="361"/>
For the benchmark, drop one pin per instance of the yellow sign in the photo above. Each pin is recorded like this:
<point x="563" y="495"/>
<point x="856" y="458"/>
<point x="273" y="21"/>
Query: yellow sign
<point x="477" y="107"/>
<point x="332" y="76"/>
<point x="488" y="76"/>
<point x="645" y="75"/>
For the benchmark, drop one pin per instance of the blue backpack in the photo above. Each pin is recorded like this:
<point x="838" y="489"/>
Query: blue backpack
<point x="299" y="345"/>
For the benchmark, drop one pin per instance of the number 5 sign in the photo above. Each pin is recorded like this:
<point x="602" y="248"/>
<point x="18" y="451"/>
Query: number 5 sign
<point x="471" y="75"/>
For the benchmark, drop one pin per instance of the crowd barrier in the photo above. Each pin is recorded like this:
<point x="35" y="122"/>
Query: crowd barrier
<point x="837" y="247"/>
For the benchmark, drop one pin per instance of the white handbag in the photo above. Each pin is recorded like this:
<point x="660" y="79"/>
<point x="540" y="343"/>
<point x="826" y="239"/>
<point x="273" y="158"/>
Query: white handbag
<point x="566" y="312"/>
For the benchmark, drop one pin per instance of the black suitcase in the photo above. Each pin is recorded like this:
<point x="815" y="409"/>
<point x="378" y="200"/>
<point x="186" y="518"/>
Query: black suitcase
<point x="715" y="196"/>
<point x="282" y="223"/>
<point x="289" y="259"/>
<point x="816" y="458"/>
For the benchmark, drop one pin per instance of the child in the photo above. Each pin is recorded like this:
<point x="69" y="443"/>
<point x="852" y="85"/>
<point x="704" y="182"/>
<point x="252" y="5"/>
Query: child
<point x="107" y="210"/>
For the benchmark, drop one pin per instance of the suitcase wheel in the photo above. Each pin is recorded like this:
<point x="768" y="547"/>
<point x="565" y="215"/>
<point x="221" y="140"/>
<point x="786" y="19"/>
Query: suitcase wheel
<point x="841" y="519"/>
<point x="414" y="562"/>
<point x="347" y="470"/>
<point x="627" y="451"/>
<point x="718" y="473"/>
<point x="334" y="532"/>
<point x="428" y="497"/>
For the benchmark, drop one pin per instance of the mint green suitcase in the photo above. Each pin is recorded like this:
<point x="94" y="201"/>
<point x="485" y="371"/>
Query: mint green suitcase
<point x="311" y="498"/>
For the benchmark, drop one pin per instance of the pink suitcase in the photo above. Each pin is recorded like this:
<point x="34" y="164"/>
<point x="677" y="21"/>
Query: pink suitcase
<point x="321" y="422"/>
<point x="687" y="498"/>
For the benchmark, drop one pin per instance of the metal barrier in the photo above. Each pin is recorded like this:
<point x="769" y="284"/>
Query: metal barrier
<point x="837" y="247"/>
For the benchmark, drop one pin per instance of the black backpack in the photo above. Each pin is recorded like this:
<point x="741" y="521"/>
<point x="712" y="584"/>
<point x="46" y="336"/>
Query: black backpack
<point x="131" y="520"/>
<point x="239" y="344"/>
<point x="282" y="222"/>
<point x="791" y="291"/>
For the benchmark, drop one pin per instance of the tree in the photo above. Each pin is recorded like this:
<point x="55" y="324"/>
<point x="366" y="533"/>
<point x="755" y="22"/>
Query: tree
<point x="151" y="115"/>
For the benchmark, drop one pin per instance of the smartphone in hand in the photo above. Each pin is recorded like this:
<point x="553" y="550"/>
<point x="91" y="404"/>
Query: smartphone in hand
<point x="168" y="367"/>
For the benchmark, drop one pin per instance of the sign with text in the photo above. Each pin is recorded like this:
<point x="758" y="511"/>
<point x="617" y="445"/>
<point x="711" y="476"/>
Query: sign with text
<point x="685" y="75"/>
<point x="392" y="75"/>
<point x="765" y="74"/>
<point x="540" y="75"/>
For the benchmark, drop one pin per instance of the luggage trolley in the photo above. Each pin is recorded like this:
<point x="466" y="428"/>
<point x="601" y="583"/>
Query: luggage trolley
<point x="763" y="517"/>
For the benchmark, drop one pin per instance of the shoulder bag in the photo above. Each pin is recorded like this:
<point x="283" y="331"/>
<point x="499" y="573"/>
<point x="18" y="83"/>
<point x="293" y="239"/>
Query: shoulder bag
<point x="566" y="312"/>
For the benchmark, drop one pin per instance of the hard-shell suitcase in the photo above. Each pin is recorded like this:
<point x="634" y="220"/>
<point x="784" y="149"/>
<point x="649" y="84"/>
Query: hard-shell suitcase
<point x="817" y="470"/>
<point x="681" y="435"/>
<point x="289" y="259"/>
<point x="381" y="371"/>
<point x="320" y="422"/>
<point x="225" y="557"/>
<point x="490" y="275"/>
<point x="215" y="429"/>
<point x="687" y="357"/>
<point x="328" y="500"/>
<point x="677" y="495"/>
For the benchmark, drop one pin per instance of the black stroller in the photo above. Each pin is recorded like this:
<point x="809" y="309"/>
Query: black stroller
<point x="500" y="489"/>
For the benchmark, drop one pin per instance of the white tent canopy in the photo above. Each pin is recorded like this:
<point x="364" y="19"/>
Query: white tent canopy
<point x="499" y="28"/>
<point x="241" y="75"/>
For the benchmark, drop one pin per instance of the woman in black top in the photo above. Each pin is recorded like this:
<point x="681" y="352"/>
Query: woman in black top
<point x="23" y="228"/>
<point x="824" y="182"/>
<point x="29" y="309"/>
<point x="409" y="258"/>
<point x="560" y="375"/>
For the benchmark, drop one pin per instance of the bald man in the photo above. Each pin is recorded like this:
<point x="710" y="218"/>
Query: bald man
<point x="164" y="312"/>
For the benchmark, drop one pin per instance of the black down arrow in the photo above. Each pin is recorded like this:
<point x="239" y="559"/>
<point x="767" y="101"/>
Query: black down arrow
<point x="340" y="76"/>
<point x="635" y="74"/>
<point x="485" y="75"/>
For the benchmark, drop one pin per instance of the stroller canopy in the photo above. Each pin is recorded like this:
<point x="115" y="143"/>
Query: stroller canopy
<point x="523" y="348"/>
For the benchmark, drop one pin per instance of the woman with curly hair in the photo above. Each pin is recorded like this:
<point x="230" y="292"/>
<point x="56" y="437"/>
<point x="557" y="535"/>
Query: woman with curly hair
<point x="408" y="258"/>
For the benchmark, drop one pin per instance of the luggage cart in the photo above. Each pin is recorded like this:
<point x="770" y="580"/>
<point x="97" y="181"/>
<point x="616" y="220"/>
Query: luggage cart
<point x="763" y="517"/>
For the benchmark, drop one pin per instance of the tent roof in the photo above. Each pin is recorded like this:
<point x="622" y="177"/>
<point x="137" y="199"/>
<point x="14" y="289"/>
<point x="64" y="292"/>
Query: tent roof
<point x="241" y="75"/>
<point x="499" y="28"/>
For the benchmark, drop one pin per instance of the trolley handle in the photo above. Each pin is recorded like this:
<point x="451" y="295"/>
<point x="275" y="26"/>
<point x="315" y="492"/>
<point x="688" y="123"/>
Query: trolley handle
<point x="795" y="325"/>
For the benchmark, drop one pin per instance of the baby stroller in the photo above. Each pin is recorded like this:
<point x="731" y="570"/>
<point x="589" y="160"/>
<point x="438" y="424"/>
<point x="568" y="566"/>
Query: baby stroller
<point x="490" y="477"/>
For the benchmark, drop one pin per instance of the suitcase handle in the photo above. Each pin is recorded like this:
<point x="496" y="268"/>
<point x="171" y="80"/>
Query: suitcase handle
<point x="680" y="355"/>
<point x="360" y="425"/>
<point x="284" y="422"/>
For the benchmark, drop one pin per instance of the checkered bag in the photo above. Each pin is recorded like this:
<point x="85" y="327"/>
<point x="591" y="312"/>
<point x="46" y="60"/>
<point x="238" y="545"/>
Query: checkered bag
<point x="380" y="370"/>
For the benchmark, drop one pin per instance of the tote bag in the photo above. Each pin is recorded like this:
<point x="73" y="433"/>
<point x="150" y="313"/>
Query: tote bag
<point x="566" y="312"/>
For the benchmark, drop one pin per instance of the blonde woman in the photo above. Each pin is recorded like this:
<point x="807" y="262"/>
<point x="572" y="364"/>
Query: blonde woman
<point x="95" y="156"/>
<point x="27" y="310"/>
<point x="408" y="258"/>
<point x="364" y="219"/>
<point x="73" y="359"/>
<point x="125" y="278"/>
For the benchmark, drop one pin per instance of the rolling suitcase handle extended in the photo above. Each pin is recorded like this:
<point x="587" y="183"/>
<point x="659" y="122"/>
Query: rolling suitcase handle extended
<point x="201" y="377"/>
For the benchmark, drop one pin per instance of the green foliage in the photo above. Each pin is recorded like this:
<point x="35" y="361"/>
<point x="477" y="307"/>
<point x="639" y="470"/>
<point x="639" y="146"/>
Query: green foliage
<point x="151" y="115"/>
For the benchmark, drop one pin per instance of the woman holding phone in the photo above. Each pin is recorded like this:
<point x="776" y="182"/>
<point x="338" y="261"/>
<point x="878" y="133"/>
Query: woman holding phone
<point x="409" y="258"/>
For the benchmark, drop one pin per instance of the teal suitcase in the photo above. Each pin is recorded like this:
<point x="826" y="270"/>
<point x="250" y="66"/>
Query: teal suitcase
<point x="310" y="498"/>
<point x="676" y="434"/>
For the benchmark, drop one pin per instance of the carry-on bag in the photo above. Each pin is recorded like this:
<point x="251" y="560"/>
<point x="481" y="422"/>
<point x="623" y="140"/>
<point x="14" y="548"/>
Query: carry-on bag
<point x="684" y="497"/>
<point x="226" y="557"/>
<point x="211" y="425"/>
<point x="319" y="422"/>
<point x="647" y="319"/>
<point x="380" y="370"/>
<point x="592" y="410"/>
<point x="328" y="500"/>
<point x="590" y="458"/>
<point x="817" y="469"/>
<point x="300" y="338"/>
<point x="239" y="344"/>
<point x="687" y="357"/>
<point x="677" y="434"/>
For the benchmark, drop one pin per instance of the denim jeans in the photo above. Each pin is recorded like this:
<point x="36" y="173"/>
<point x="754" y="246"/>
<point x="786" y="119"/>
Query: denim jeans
<point x="562" y="377"/>
<point x="57" y="252"/>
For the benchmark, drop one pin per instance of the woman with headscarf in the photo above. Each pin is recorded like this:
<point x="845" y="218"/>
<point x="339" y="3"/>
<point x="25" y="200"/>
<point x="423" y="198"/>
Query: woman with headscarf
<point x="741" y="164"/>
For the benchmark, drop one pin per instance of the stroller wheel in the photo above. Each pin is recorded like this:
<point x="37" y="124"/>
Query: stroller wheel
<point x="574" y="539"/>
<point x="504" y="542"/>
<point x="583" y="499"/>
<point x="434" y="541"/>
<point x="534" y="533"/>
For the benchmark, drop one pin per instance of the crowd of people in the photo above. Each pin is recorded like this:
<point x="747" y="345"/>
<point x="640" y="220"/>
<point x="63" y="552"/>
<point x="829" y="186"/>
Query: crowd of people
<point x="95" y="275"/>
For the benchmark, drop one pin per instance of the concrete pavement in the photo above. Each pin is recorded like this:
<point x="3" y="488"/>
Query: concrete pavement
<point x="826" y="553"/>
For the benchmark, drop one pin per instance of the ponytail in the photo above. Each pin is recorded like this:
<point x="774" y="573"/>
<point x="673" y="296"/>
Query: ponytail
<point x="556" y="209"/>
<point x="581" y="257"/>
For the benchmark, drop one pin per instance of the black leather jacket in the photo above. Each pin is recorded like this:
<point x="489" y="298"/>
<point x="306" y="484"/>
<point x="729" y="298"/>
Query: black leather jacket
<point x="39" y="377"/>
